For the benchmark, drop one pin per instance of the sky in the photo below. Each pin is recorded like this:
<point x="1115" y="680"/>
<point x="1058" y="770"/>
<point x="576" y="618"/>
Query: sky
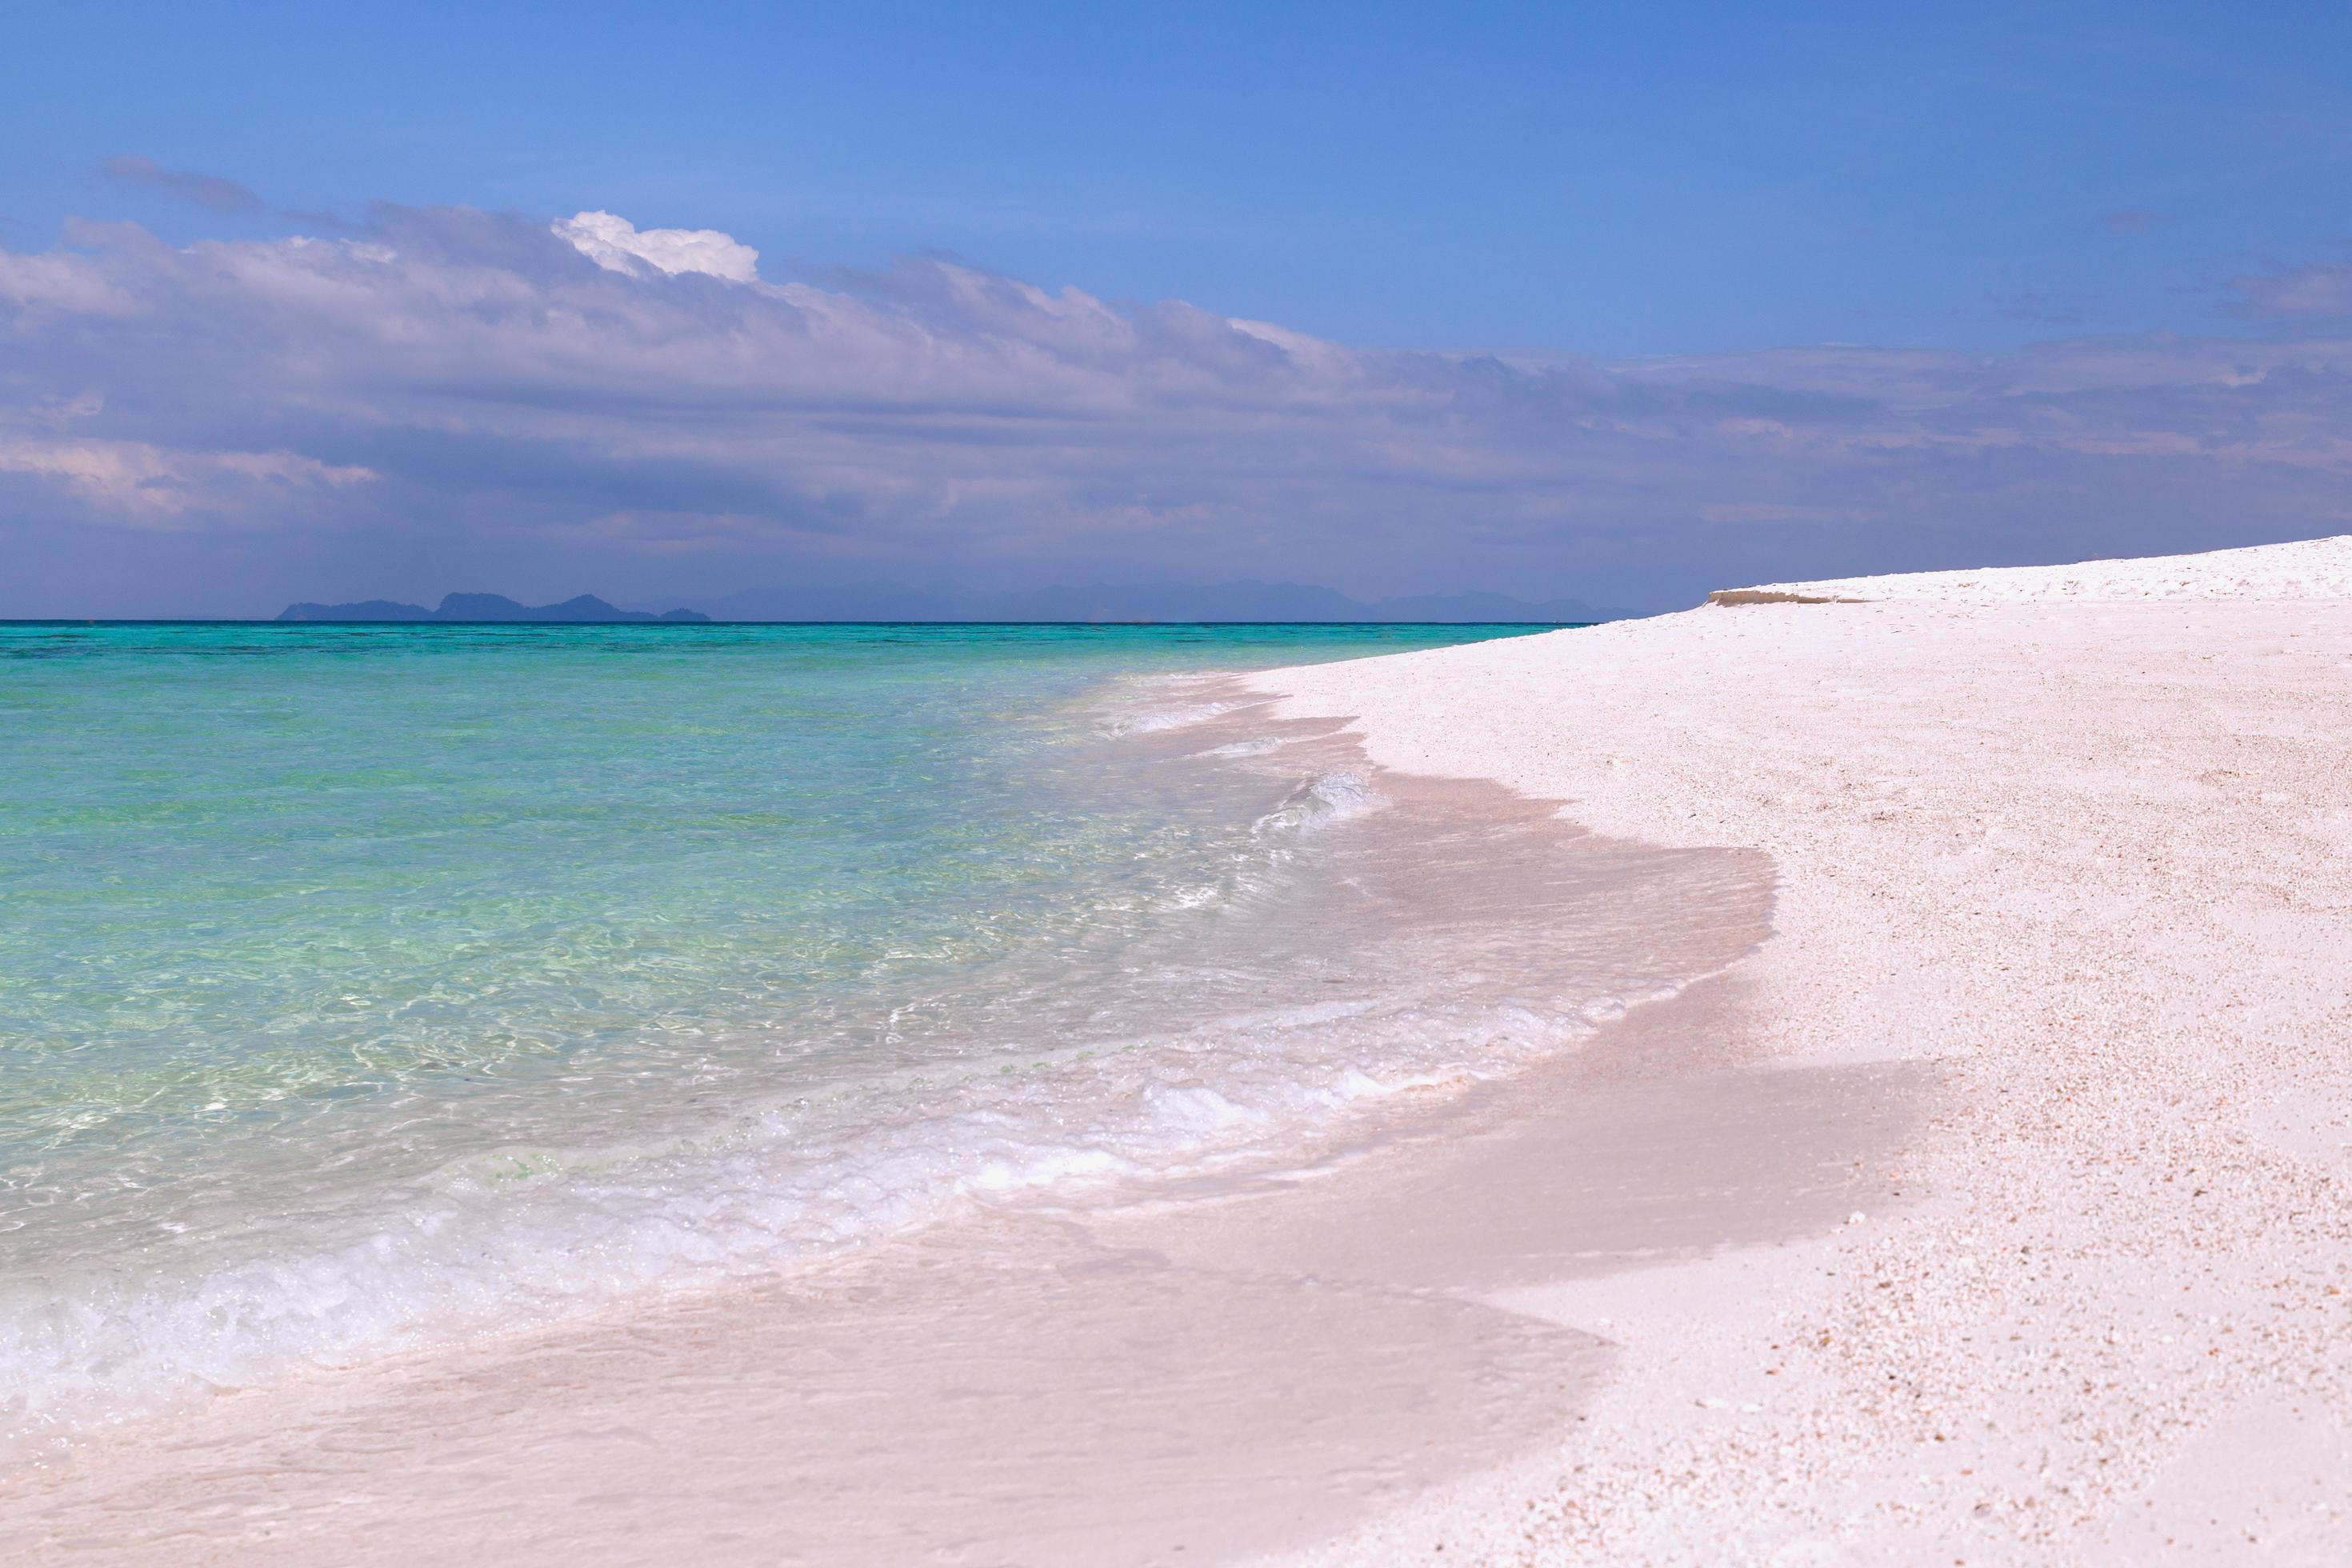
<point x="1619" y="303"/>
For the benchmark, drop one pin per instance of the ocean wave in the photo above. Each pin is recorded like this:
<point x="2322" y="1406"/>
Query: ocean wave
<point x="1158" y="719"/>
<point x="1324" y="800"/>
<point x="525" y="1237"/>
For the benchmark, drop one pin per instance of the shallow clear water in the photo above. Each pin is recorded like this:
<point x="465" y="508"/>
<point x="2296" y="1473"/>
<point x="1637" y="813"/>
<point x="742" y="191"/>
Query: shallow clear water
<point x="366" y="986"/>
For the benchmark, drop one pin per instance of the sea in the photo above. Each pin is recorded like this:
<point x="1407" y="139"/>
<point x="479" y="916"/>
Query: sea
<point x="365" y="988"/>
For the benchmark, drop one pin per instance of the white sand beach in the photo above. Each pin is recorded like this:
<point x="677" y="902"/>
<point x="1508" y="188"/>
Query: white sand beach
<point x="1992" y="1205"/>
<point x="2082" y="836"/>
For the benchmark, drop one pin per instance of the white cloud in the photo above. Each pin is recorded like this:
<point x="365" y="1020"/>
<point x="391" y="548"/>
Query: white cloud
<point x="1312" y="353"/>
<point x="619" y="244"/>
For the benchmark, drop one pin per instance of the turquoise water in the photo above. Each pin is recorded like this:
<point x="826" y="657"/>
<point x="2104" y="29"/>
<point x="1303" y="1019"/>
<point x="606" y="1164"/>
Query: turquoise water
<point x="254" y="867"/>
<point x="363" y="985"/>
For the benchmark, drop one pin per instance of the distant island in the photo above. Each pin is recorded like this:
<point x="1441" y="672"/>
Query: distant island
<point x="1224" y="601"/>
<point x="481" y="607"/>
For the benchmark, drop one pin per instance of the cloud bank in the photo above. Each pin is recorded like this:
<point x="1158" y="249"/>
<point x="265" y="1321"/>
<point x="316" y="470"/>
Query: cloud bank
<point x="457" y="399"/>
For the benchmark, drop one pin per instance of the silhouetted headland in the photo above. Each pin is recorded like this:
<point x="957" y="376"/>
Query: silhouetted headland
<point x="587" y="608"/>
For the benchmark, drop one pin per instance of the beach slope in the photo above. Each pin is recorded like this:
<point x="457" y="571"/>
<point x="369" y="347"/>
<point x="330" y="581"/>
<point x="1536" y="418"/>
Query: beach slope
<point x="2080" y="838"/>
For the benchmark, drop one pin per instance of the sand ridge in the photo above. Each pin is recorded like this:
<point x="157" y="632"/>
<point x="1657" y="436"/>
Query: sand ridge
<point x="2083" y="838"/>
<point x="2305" y="569"/>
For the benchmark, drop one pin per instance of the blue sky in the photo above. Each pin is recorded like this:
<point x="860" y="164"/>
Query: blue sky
<point x="1590" y="193"/>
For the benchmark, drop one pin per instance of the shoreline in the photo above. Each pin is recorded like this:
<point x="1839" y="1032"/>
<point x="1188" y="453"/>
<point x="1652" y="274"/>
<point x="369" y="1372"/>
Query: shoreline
<point x="1998" y="1206"/>
<point x="1029" y="1360"/>
<point x="824" y="1051"/>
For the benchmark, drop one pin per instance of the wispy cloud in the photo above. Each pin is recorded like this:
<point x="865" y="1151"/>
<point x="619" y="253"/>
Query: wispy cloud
<point x="137" y="483"/>
<point x="464" y="386"/>
<point x="211" y="190"/>
<point x="2321" y="289"/>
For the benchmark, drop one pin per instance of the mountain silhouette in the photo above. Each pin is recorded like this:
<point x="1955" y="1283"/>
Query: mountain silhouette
<point x="1222" y="601"/>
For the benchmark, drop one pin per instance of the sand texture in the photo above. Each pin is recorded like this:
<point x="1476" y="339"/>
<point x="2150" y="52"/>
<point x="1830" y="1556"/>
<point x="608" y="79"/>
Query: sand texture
<point x="2081" y="838"/>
